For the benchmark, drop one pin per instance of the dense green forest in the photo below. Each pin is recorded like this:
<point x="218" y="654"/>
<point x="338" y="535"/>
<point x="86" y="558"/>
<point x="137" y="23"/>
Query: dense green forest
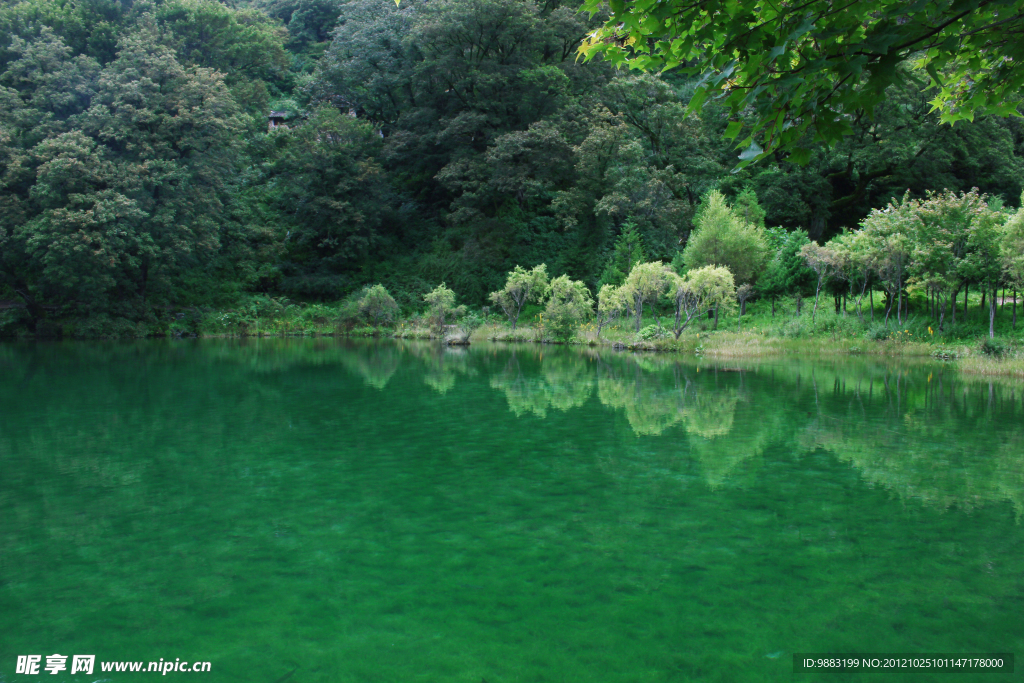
<point x="444" y="141"/>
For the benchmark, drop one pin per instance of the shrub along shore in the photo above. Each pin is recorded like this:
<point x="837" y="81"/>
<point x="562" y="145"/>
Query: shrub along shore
<point x="937" y="277"/>
<point x="757" y="333"/>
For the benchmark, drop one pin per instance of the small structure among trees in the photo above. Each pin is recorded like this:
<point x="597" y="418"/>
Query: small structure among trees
<point x="276" y="119"/>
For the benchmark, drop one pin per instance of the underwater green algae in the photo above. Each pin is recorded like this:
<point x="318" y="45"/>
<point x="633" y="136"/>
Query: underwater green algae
<point x="329" y="511"/>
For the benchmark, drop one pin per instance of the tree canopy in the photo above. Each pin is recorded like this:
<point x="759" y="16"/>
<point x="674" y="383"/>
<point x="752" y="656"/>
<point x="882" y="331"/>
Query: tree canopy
<point x="807" y="70"/>
<point x="450" y="141"/>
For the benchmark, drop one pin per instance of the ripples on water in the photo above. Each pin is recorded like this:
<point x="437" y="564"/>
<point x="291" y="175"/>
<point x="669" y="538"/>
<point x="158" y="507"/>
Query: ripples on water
<point x="402" y="512"/>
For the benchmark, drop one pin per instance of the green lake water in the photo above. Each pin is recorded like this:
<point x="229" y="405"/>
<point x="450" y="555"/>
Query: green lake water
<point x="310" y="511"/>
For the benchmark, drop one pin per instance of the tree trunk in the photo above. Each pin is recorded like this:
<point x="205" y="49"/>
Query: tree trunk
<point x="984" y="291"/>
<point x="952" y="308"/>
<point x="860" y="299"/>
<point x="942" y="313"/>
<point x="773" y="306"/>
<point x="871" y="302"/>
<point x="814" y="312"/>
<point x="144" y="280"/>
<point x="991" y="313"/>
<point x="715" y="326"/>
<point x="32" y="307"/>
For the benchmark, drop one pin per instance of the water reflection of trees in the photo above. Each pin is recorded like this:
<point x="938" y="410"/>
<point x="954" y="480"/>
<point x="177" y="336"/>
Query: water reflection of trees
<point x="926" y="435"/>
<point x="918" y="431"/>
<point x="713" y="409"/>
<point x="562" y="382"/>
<point x="376" y="364"/>
<point x="442" y="365"/>
<point x="651" y="402"/>
<point x="183" y="473"/>
<point x="378" y="361"/>
<point x="921" y="432"/>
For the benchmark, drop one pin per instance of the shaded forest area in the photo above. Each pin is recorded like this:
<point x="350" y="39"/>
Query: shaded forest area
<point x="443" y="141"/>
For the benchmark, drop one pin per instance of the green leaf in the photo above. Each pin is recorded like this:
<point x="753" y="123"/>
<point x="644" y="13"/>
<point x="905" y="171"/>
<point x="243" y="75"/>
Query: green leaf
<point x="800" y="156"/>
<point x="814" y="56"/>
<point x="803" y="28"/>
<point x="752" y="152"/>
<point x="733" y="129"/>
<point x="698" y="99"/>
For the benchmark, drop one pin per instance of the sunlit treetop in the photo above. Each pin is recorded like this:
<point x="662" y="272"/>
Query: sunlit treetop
<point x="792" y="68"/>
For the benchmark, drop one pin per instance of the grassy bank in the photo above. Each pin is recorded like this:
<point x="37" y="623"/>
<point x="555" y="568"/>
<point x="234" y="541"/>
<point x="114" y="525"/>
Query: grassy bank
<point x="758" y="333"/>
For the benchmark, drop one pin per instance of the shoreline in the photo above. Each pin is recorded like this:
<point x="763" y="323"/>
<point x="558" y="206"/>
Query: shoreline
<point x="965" y="357"/>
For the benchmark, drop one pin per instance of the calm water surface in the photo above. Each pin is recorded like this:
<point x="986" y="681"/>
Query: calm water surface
<point x="324" y="511"/>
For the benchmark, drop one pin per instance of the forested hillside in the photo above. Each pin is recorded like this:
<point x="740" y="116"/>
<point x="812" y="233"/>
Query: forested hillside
<point x="441" y="141"/>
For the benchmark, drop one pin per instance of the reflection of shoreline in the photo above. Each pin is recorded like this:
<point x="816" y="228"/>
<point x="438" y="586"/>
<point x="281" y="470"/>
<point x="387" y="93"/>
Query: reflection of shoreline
<point x="563" y="383"/>
<point x="895" y="421"/>
<point x="901" y="454"/>
<point x="920" y="431"/>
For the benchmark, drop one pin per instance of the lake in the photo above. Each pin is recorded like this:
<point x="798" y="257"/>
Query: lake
<point x="320" y="510"/>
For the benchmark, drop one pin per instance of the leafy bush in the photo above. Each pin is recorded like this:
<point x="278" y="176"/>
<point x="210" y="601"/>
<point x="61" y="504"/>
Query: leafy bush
<point x="13" y="321"/>
<point x="471" y="321"/>
<point x="442" y="308"/>
<point x="521" y="287"/>
<point x="993" y="347"/>
<point x="901" y="336"/>
<point x="877" y="332"/>
<point x="797" y="327"/>
<point x="828" y="322"/>
<point x="102" y="326"/>
<point x="377" y="304"/>
<point x="569" y="303"/>
<point x="268" y="307"/>
<point x="651" y="332"/>
<point x="963" y="330"/>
